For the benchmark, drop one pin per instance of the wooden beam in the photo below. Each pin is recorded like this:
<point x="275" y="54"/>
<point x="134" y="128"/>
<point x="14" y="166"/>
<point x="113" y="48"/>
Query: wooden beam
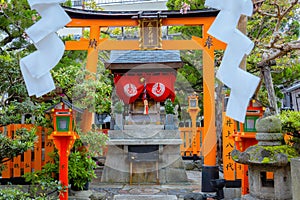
<point x="102" y="22"/>
<point x="188" y="21"/>
<point x="106" y="44"/>
<point x="82" y="44"/>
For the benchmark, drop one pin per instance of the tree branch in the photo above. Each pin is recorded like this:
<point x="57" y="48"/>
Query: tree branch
<point x="280" y="50"/>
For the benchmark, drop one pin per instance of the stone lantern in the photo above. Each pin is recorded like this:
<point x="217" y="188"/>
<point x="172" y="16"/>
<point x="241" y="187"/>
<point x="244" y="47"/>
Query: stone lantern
<point x="268" y="163"/>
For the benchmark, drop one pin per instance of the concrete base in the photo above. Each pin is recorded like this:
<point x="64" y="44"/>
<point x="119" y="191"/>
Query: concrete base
<point x="145" y="197"/>
<point x="169" y="168"/>
<point x="232" y="193"/>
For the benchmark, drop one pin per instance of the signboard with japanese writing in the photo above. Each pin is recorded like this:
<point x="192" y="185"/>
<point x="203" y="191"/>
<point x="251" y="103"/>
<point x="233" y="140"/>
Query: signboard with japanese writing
<point x="228" y="146"/>
<point x="150" y="34"/>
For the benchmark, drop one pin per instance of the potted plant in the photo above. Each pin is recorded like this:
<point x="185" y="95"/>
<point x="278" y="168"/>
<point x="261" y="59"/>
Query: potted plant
<point x="81" y="169"/>
<point x="82" y="159"/>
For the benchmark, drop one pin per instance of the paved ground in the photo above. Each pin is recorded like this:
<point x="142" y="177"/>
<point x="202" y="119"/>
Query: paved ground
<point x="104" y="191"/>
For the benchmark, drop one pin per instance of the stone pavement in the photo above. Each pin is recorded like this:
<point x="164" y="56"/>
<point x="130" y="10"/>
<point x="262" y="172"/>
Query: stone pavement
<point x="99" y="189"/>
<point x="105" y="191"/>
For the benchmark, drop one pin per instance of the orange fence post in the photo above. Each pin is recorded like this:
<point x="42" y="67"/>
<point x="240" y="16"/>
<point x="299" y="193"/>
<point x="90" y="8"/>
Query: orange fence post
<point x="38" y="151"/>
<point x="49" y="146"/>
<point x="7" y="173"/>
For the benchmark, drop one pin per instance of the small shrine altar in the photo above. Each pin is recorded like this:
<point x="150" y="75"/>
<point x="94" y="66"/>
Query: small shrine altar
<point x="143" y="81"/>
<point x="140" y="149"/>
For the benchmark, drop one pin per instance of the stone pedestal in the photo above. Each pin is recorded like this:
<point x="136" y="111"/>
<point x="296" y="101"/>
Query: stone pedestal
<point x="168" y="168"/>
<point x="119" y="122"/>
<point x="295" y="171"/>
<point x="262" y="188"/>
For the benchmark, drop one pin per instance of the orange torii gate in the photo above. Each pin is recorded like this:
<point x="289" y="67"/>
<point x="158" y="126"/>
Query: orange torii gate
<point x="95" y="20"/>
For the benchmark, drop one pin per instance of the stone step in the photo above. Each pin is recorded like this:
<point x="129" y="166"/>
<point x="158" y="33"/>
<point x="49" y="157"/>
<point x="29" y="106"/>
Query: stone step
<point x="80" y="195"/>
<point x="145" y="197"/>
<point x="144" y="126"/>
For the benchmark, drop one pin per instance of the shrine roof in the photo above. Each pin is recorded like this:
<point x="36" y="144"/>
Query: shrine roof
<point x="92" y="14"/>
<point x="151" y="56"/>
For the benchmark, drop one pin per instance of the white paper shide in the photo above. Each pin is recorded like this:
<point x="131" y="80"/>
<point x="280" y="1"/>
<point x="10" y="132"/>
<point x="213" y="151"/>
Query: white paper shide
<point x="36" y="66"/>
<point x="241" y="83"/>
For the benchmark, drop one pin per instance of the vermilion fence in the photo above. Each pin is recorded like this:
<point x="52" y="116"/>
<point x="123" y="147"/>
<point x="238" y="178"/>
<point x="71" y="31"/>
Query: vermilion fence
<point x="30" y="160"/>
<point x="187" y="136"/>
<point x="35" y="158"/>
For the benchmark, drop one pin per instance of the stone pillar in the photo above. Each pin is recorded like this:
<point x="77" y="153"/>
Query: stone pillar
<point x="295" y="173"/>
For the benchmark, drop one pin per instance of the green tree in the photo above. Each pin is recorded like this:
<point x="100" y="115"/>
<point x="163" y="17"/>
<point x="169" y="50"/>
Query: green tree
<point x="275" y="30"/>
<point x="15" y="17"/>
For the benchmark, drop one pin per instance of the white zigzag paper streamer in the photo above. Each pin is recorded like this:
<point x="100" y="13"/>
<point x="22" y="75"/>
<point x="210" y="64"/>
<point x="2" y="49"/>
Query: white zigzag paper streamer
<point x="36" y="66"/>
<point x="241" y="83"/>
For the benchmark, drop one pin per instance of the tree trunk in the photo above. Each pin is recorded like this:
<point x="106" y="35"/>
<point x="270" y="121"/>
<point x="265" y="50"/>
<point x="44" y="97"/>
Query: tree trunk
<point x="266" y="72"/>
<point x="242" y="26"/>
<point x="219" y="114"/>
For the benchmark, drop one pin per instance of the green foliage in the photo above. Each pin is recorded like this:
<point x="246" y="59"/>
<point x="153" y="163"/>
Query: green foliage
<point x="265" y="160"/>
<point x="283" y="149"/>
<point x="44" y="183"/>
<point x="15" y="17"/>
<point x="95" y="140"/>
<point x="81" y="164"/>
<point x="169" y="107"/>
<point x="13" y="193"/>
<point x="12" y="113"/>
<point x="91" y="5"/>
<point x="290" y="121"/>
<point x="177" y="4"/>
<point x="273" y="29"/>
<point x="193" y="75"/>
<point x="10" y="193"/>
<point x="91" y="93"/>
<point x="118" y="107"/>
<point x="68" y="3"/>
<point x="291" y="126"/>
<point x="23" y="140"/>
